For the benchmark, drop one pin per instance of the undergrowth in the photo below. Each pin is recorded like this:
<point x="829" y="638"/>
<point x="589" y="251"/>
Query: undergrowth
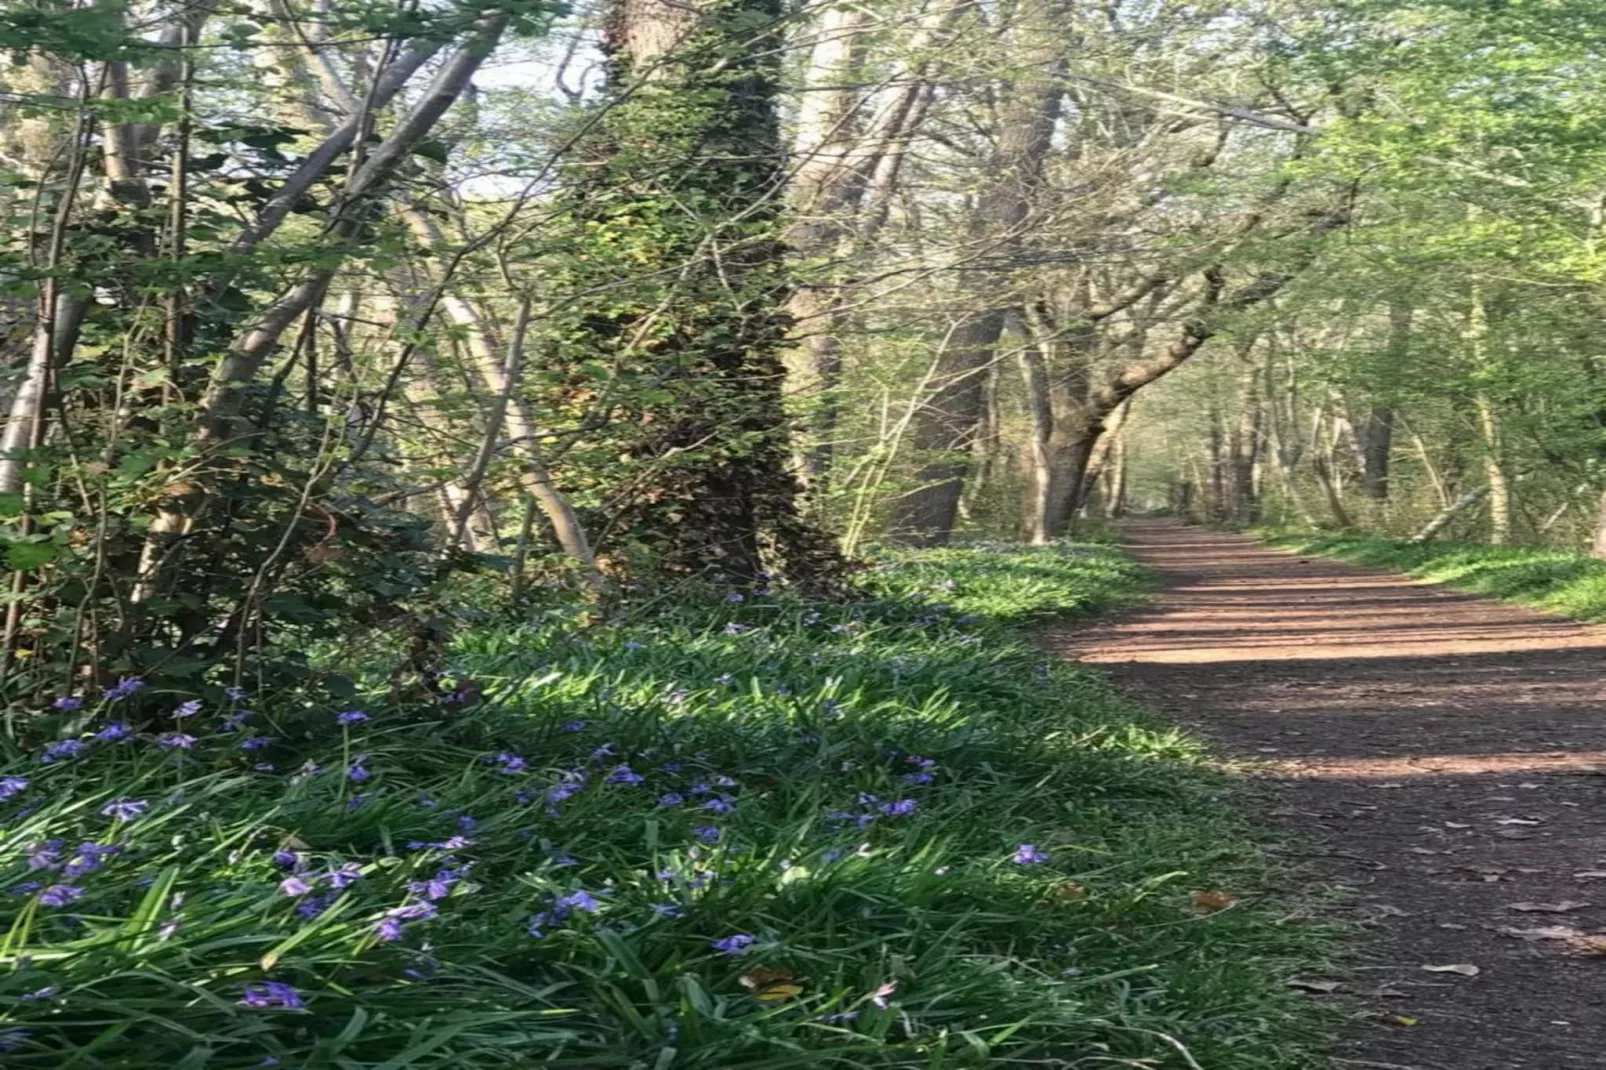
<point x="1560" y="581"/>
<point x="746" y="833"/>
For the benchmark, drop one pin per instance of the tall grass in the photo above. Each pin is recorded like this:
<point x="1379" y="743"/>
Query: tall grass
<point x="1560" y="581"/>
<point x="742" y="834"/>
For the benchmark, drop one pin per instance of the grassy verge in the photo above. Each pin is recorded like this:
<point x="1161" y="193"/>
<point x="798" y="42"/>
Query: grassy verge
<point x="1560" y="581"/>
<point x="741" y="835"/>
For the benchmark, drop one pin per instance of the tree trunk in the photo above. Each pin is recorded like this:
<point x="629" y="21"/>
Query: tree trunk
<point x="1598" y="548"/>
<point x="1448" y="513"/>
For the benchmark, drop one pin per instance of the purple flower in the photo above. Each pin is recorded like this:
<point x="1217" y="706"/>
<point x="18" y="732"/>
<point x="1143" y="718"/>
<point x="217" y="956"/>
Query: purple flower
<point x="68" y="703"/>
<point x="347" y="874"/>
<point x="604" y="751"/>
<point x="294" y="886"/>
<point x="125" y="809"/>
<point x="188" y="709"/>
<point x="901" y="808"/>
<point x="733" y="945"/>
<point x="13" y="1039"/>
<point x="59" y="895"/>
<point x="623" y="774"/>
<point x="87" y="859"/>
<point x="351" y="717"/>
<point x="313" y="906"/>
<point x="671" y="799"/>
<point x="47" y="993"/>
<point x="389" y="929"/>
<point x="537" y="923"/>
<point x="285" y="858"/>
<point x="1026" y="855"/>
<point x="574" y="726"/>
<point x="707" y="833"/>
<point x="235" y="694"/>
<point x="415" y="912"/>
<point x="454" y="843"/>
<point x="13" y="785"/>
<point x="169" y="740"/>
<point x="437" y="887"/>
<point x="721" y="805"/>
<point x="510" y="763"/>
<point x="263" y="767"/>
<point x="115" y="732"/>
<point x="124" y="687"/>
<point x="46" y="855"/>
<point x="256" y="742"/>
<point x="25" y="888"/>
<point x="466" y="822"/>
<point x="65" y="748"/>
<point x="735" y="596"/>
<point x="235" y="721"/>
<point x="356" y="773"/>
<point x="272" y="994"/>
<point x="917" y="778"/>
<point x="667" y="910"/>
<point x="581" y="900"/>
<point x="701" y="788"/>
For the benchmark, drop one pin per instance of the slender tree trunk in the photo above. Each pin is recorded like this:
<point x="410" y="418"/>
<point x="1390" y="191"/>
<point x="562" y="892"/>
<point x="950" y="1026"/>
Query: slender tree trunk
<point x="1449" y="513"/>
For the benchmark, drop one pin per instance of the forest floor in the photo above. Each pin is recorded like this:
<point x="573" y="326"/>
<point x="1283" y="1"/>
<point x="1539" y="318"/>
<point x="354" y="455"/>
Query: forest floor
<point x="1440" y="756"/>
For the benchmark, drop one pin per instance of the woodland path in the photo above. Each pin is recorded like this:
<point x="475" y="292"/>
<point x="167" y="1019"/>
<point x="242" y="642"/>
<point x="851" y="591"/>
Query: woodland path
<point x="1443" y="755"/>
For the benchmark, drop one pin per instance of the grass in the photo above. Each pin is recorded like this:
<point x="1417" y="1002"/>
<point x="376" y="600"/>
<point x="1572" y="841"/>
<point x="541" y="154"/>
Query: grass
<point x="1559" y="581"/>
<point x="737" y="835"/>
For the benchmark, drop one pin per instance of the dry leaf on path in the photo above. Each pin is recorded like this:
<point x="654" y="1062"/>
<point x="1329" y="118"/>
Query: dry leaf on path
<point x="1548" y="908"/>
<point x="1465" y="969"/>
<point x="1308" y="985"/>
<point x="1544" y="932"/>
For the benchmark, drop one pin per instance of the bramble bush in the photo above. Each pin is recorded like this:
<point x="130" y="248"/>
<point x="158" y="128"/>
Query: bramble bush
<point x="745" y="832"/>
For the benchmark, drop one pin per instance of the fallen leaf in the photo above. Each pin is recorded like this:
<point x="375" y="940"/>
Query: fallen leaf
<point x="1391" y="911"/>
<point x="1548" y="908"/>
<point x="1588" y="945"/>
<point x="1465" y="969"/>
<point x="1456" y="825"/>
<point x="1308" y="985"/>
<point x="1068" y="890"/>
<point x="771" y="985"/>
<point x="1544" y="932"/>
<point x="1400" y="1019"/>
<point x="1210" y="902"/>
<point x="1516" y="821"/>
<point x="1590" y="874"/>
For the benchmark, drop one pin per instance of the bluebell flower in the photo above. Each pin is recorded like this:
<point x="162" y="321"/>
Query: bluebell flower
<point x="13" y="785"/>
<point x="115" y="732"/>
<point x="46" y="855"/>
<point x="389" y="929"/>
<point x="25" y="887"/>
<point x="357" y="801"/>
<point x="356" y="773"/>
<point x="351" y="717"/>
<point x="313" y="906"/>
<point x="256" y="743"/>
<point x="235" y="694"/>
<point x="49" y="992"/>
<point x="671" y="799"/>
<point x="707" y="833"/>
<point x="536" y="926"/>
<point x="347" y="873"/>
<point x="917" y="778"/>
<point x="735" y="596"/>
<point x="623" y="774"/>
<point x="701" y="788"/>
<point x="721" y="805"/>
<point x="170" y="740"/>
<point x="263" y="767"/>
<point x="511" y="763"/>
<point x="285" y="858"/>
<point x="667" y="910"/>
<point x="68" y="703"/>
<point x="1026" y="855"/>
<point x="901" y="808"/>
<point x="604" y="751"/>
<point x="124" y="687"/>
<point x="188" y="709"/>
<point x="235" y="721"/>
<point x="63" y="748"/>
<point x="59" y="895"/>
<point x="733" y="945"/>
<point x="272" y="994"/>
<point x="575" y="726"/>
<point x="125" y="809"/>
<point x="294" y="886"/>
<point x="13" y="1039"/>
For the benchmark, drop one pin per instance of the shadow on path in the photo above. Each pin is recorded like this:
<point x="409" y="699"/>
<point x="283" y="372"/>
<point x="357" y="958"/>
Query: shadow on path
<point x="1447" y="754"/>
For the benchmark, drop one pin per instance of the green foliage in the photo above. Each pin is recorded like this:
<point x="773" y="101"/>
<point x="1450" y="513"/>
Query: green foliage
<point x="1560" y="581"/>
<point x="915" y="938"/>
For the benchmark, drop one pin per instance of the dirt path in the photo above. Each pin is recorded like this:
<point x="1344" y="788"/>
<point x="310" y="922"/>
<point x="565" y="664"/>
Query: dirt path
<point x="1446" y="753"/>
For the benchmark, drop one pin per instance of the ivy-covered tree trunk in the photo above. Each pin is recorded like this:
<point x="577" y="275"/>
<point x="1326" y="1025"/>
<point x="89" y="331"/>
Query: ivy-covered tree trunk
<point x="685" y="178"/>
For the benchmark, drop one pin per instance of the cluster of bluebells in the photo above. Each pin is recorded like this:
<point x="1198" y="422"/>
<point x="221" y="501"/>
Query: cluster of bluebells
<point x="562" y="910"/>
